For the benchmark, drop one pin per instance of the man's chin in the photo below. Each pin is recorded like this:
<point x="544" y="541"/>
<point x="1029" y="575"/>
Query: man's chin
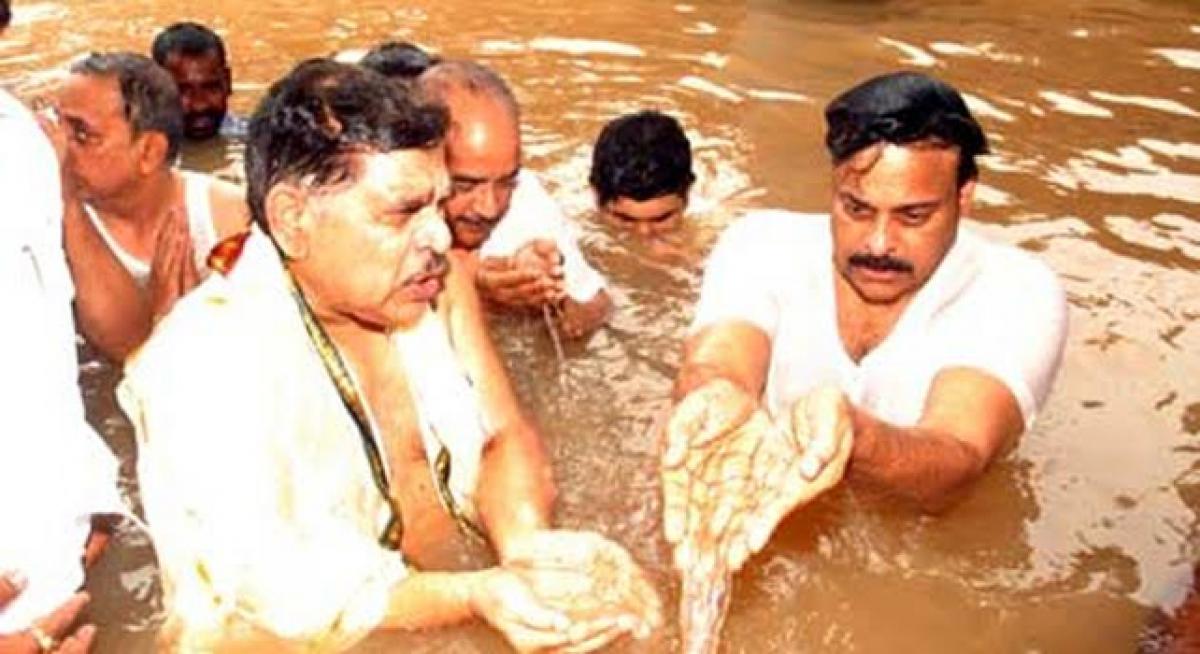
<point x="201" y="131"/>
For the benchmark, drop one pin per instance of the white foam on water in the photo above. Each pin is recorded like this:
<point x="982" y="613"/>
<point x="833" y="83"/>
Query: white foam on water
<point x="26" y="14"/>
<point x="710" y="59"/>
<point x="952" y="49"/>
<point x="499" y="47"/>
<point x="685" y="9"/>
<point x="702" y="85"/>
<point x="992" y="196"/>
<point x="1182" y="57"/>
<point x="1176" y="150"/>
<point x="1071" y="105"/>
<point x="585" y="47"/>
<point x="772" y="95"/>
<point x="1154" y="181"/>
<point x="981" y="107"/>
<point x="1080" y="33"/>
<point x="916" y="56"/>
<point x="1160" y="104"/>
<point x="702" y="29"/>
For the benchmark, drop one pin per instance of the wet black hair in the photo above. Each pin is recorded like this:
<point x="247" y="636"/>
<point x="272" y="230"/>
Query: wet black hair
<point x="398" y="60"/>
<point x="148" y="95"/>
<point x="902" y="108"/>
<point x="315" y="119"/>
<point x="641" y="156"/>
<point x="5" y="14"/>
<point x="188" y="39"/>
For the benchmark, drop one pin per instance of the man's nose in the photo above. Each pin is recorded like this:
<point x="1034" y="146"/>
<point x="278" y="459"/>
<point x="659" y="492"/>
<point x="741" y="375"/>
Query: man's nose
<point x="432" y="232"/>
<point x="880" y="239"/>
<point x="644" y="229"/>
<point x="487" y="202"/>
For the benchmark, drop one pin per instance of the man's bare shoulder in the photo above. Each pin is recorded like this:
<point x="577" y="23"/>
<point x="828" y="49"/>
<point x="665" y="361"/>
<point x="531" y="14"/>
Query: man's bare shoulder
<point x="230" y="212"/>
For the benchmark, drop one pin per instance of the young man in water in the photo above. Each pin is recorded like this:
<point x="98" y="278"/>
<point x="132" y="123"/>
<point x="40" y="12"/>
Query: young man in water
<point x="195" y="57"/>
<point x="887" y="343"/>
<point x="517" y="239"/>
<point x="642" y="173"/>
<point x="330" y="408"/>
<point x="120" y="130"/>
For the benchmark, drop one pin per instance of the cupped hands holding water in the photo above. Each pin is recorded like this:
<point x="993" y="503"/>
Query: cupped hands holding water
<point x="730" y="473"/>
<point x="568" y="591"/>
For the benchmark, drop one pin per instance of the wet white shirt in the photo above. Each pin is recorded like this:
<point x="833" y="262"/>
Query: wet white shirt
<point x="533" y="214"/>
<point x="56" y="470"/>
<point x="259" y="497"/>
<point x="988" y="306"/>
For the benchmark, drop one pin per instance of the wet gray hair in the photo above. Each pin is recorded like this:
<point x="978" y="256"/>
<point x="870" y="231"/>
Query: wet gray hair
<point x="458" y="75"/>
<point x="148" y="93"/>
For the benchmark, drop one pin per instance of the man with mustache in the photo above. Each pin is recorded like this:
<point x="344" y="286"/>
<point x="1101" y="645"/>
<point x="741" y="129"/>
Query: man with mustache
<point x="887" y="343"/>
<point x="521" y="250"/>
<point x="328" y="412"/>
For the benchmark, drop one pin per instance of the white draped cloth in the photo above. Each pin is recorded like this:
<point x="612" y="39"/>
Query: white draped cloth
<point x="55" y="472"/>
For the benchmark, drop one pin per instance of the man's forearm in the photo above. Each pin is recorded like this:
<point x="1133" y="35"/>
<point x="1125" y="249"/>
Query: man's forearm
<point x="922" y="465"/>
<point x="516" y="487"/>
<point x="112" y="311"/>
<point x="433" y="599"/>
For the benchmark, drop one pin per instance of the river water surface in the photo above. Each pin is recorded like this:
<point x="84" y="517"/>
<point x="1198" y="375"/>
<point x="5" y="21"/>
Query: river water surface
<point x="1072" y="543"/>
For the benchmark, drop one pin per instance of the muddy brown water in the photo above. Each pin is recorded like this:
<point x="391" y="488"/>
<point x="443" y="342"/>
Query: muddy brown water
<point x="1072" y="543"/>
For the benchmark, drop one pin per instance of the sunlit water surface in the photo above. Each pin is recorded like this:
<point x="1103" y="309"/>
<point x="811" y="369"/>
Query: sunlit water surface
<point x="1072" y="543"/>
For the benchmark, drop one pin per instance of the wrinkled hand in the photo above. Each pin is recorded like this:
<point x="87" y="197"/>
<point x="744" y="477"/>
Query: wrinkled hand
<point x="529" y="279"/>
<point x="173" y="269"/>
<point x="590" y="579"/>
<point x="54" y="625"/>
<point x="730" y="474"/>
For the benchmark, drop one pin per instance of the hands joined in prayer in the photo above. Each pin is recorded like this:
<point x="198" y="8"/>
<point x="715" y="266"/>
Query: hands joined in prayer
<point x="173" y="269"/>
<point x="45" y="634"/>
<point x="568" y="591"/>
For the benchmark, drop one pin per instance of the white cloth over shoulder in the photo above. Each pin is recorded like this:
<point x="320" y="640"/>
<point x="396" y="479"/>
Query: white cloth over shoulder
<point x="57" y="471"/>
<point x="533" y="214"/>
<point x="439" y="383"/>
<point x="197" y="200"/>
<point x="988" y="306"/>
<point x="259" y="496"/>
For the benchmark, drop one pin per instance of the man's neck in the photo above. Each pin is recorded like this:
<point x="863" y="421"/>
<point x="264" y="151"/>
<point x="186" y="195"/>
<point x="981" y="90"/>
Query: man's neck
<point x="142" y="205"/>
<point x="863" y="325"/>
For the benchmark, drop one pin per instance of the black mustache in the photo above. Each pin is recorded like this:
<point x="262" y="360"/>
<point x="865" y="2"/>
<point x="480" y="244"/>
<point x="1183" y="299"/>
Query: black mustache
<point x="881" y="263"/>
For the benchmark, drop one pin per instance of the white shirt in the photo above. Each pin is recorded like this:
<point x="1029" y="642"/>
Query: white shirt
<point x="57" y="472"/>
<point x="258" y="493"/>
<point x="988" y="306"/>
<point x="533" y="214"/>
<point x="197" y="201"/>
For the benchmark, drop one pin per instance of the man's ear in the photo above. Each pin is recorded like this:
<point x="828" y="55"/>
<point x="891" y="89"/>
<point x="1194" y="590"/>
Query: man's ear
<point x="966" y="197"/>
<point x="290" y="219"/>
<point x="151" y="148"/>
<point x="228" y="74"/>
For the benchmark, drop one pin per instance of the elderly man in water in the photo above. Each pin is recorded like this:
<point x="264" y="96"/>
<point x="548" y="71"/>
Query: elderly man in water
<point x="120" y="130"/>
<point x="328" y="410"/>
<point x="885" y="343"/>
<point x="515" y="235"/>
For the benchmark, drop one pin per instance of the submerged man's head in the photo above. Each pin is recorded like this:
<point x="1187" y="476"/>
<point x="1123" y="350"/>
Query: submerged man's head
<point x="123" y="122"/>
<point x="642" y="172"/>
<point x="398" y="60"/>
<point x="483" y="146"/>
<point x="903" y="149"/>
<point x="195" y="57"/>
<point x="346" y="171"/>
